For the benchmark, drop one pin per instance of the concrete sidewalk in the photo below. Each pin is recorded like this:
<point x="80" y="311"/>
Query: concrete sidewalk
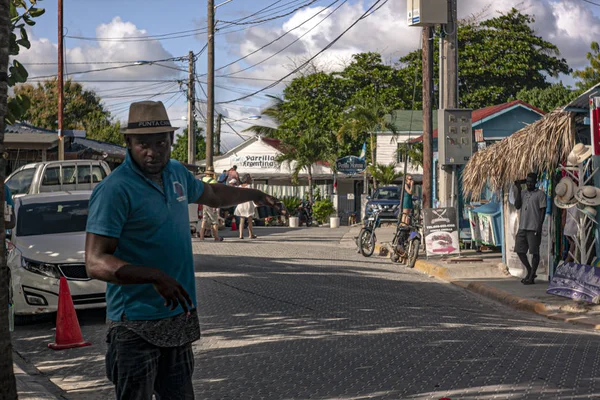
<point x="31" y="384"/>
<point x="491" y="279"/>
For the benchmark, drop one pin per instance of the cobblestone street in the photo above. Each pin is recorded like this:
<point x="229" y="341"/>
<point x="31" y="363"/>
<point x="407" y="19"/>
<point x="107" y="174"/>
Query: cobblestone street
<point x="296" y="315"/>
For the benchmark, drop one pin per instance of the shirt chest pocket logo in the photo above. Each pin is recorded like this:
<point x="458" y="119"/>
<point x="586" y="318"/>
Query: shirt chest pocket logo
<point x="179" y="191"/>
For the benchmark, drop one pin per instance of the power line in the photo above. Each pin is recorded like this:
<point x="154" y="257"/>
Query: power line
<point x="271" y="18"/>
<point x="145" y="38"/>
<point x="591" y="2"/>
<point x="367" y="13"/>
<point x="293" y="42"/>
<point x="139" y="63"/>
<point x="137" y="95"/>
<point x="277" y="39"/>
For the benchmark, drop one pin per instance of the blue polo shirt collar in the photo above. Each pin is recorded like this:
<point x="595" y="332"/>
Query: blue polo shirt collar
<point x="133" y="166"/>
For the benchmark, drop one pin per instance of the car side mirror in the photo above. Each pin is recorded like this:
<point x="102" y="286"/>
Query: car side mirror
<point x="368" y="197"/>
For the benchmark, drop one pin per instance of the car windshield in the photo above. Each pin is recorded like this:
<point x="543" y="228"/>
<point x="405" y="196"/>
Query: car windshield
<point x="51" y="218"/>
<point x="387" y="194"/>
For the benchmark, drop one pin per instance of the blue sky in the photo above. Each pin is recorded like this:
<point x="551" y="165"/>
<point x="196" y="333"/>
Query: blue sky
<point x="571" y="24"/>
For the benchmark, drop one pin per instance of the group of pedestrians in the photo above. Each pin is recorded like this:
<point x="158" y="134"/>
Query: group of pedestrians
<point x="244" y="213"/>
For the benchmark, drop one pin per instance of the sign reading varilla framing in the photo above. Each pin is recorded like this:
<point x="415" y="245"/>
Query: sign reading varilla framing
<point x="441" y="231"/>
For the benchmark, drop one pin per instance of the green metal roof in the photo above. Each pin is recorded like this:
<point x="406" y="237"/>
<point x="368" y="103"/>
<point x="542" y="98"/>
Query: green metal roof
<point x="407" y="120"/>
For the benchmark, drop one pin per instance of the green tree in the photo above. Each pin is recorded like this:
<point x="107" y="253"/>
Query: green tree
<point x="590" y="75"/>
<point x="272" y="112"/>
<point x="498" y="58"/>
<point x="384" y="174"/>
<point x="301" y="151"/>
<point x="367" y="78"/>
<point x="180" y="147"/>
<point x="415" y="153"/>
<point x="547" y="99"/>
<point x="363" y="120"/>
<point x="83" y="109"/>
<point x="18" y="38"/>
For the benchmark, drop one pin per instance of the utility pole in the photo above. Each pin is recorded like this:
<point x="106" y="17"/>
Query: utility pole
<point x="427" y="56"/>
<point x="210" y="103"/>
<point x="190" y="114"/>
<point x="218" y="135"/>
<point x="60" y="83"/>
<point x="448" y="95"/>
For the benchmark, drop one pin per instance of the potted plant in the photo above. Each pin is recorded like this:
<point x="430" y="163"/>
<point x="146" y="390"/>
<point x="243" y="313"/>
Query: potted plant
<point x="323" y="210"/>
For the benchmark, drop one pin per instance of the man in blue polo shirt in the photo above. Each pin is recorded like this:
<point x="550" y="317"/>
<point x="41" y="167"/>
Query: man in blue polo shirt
<point x="138" y="240"/>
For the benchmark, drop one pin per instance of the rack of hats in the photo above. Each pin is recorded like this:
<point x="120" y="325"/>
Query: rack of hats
<point x="576" y="193"/>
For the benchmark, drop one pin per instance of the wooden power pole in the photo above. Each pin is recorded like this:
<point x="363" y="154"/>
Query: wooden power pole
<point x="190" y="114"/>
<point x="210" y="101"/>
<point x="427" y="37"/>
<point x="60" y="83"/>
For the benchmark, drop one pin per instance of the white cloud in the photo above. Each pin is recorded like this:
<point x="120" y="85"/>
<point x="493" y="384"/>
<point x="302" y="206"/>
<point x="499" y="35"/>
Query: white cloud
<point x="92" y="56"/>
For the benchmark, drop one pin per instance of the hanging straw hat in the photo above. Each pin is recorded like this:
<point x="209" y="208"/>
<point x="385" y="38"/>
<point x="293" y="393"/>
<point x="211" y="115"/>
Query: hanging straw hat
<point x="565" y="193"/>
<point x="590" y="212"/>
<point x="588" y="195"/>
<point x="579" y="154"/>
<point x="146" y="118"/>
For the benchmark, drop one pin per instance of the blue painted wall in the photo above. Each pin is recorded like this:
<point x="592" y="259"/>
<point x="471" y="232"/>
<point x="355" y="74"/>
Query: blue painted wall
<point x="508" y="123"/>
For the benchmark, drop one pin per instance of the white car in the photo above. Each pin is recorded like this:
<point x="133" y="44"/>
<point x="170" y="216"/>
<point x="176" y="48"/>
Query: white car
<point x="49" y="242"/>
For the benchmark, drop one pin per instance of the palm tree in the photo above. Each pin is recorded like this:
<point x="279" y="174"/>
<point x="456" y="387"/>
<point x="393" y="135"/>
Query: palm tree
<point x="273" y="112"/>
<point x="366" y="117"/>
<point x="384" y="174"/>
<point x="8" y="388"/>
<point x="415" y="153"/>
<point x="301" y="152"/>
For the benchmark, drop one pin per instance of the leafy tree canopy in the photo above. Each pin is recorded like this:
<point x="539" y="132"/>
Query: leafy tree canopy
<point x="180" y="147"/>
<point x="547" y="99"/>
<point x="590" y="75"/>
<point x="497" y="58"/>
<point x="83" y="109"/>
<point x="18" y="38"/>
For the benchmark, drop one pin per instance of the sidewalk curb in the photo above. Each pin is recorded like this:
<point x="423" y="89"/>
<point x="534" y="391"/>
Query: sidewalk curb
<point x="32" y="384"/>
<point x="516" y="302"/>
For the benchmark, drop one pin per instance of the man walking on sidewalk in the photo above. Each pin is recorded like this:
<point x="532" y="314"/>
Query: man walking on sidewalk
<point x="532" y="204"/>
<point x="138" y="240"/>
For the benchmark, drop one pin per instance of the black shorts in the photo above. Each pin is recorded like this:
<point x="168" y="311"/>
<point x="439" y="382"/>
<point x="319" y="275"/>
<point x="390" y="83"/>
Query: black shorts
<point x="527" y="240"/>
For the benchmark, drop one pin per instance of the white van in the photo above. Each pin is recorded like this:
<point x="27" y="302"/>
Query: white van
<point x="57" y="176"/>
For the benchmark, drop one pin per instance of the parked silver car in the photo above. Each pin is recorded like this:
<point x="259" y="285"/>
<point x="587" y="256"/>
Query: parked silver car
<point x="55" y="176"/>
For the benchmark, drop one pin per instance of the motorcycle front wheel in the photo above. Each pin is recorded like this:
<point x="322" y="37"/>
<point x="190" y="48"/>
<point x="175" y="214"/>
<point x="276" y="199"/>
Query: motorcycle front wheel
<point x="366" y="242"/>
<point x="308" y="222"/>
<point x="413" y="253"/>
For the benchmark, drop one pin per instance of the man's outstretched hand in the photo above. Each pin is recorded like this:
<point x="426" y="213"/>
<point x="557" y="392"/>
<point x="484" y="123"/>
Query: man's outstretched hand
<point x="269" y="201"/>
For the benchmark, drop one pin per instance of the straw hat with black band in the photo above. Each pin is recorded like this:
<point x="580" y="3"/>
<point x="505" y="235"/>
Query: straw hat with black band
<point x="147" y="118"/>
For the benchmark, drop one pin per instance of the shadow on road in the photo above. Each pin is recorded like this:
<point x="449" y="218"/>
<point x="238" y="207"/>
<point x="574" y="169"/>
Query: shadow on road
<point x="299" y="324"/>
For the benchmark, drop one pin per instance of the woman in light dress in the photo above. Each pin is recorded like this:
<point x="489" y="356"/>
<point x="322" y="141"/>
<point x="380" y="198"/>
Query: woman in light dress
<point x="246" y="210"/>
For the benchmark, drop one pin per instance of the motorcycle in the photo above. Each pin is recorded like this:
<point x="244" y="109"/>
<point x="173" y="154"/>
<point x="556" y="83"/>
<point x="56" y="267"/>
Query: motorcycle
<point x="406" y="243"/>
<point x="366" y="238"/>
<point x="305" y="214"/>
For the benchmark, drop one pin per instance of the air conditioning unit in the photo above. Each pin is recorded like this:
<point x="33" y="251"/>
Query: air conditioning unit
<point x="427" y="12"/>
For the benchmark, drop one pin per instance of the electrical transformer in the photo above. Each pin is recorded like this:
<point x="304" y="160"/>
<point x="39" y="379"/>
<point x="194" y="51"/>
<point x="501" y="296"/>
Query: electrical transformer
<point x="455" y="136"/>
<point x="427" y="12"/>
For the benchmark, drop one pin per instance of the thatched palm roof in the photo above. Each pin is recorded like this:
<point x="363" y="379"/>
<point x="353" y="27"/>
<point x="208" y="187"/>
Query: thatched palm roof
<point x="538" y="147"/>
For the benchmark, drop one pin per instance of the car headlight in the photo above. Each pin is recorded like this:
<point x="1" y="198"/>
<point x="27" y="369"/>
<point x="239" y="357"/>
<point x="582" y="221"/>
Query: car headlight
<point x="48" y="270"/>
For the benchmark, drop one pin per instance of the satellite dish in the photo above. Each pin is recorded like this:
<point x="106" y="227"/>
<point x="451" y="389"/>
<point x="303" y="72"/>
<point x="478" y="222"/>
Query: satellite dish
<point x="104" y="154"/>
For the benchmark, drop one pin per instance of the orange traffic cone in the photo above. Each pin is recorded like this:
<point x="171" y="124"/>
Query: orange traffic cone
<point x="233" y="225"/>
<point x="68" y="332"/>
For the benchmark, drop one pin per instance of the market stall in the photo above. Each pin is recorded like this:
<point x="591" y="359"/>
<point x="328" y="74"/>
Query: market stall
<point x="541" y="148"/>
